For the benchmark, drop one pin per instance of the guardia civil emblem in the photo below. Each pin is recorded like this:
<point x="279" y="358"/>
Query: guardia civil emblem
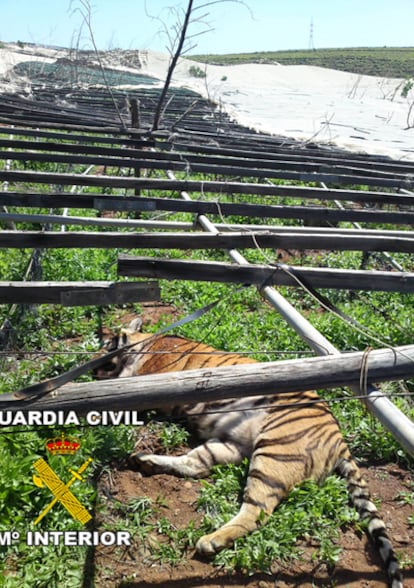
<point x="61" y="491"/>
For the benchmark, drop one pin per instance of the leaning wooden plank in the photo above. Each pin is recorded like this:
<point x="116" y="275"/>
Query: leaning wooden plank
<point x="126" y="223"/>
<point x="227" y="240"/>
<point x="265" y="275"/>
<point x="78" y="293"/>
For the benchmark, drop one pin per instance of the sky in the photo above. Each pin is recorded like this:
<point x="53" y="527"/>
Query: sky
<point x="231" y="26"/>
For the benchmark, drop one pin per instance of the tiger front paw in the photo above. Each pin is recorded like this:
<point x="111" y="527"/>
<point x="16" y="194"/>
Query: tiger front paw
<point x="146" y="462"/>
<point x="213" y="543"/>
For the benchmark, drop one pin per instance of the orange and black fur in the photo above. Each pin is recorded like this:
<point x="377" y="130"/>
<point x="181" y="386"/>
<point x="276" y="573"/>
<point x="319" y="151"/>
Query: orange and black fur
<point x="285" y="443"/>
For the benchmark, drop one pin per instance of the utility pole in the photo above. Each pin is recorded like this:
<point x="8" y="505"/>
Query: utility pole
<point x="311" y="46"/>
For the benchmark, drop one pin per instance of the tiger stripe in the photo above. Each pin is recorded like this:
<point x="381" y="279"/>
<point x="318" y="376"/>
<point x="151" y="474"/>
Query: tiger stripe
<point x="288" y="440"/>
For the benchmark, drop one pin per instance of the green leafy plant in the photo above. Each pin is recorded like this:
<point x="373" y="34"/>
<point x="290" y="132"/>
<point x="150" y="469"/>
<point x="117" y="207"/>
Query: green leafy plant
<point x="196" y="72"/>
<point x="407" y="87"/>
<point x="172" y="436"/>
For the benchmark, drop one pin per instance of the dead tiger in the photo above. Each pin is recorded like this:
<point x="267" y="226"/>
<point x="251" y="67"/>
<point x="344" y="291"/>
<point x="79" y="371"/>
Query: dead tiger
<point x="285" y="443"/>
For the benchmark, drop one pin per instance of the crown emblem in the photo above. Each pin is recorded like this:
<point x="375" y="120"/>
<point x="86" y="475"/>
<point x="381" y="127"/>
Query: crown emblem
<point x="62" y="445"/>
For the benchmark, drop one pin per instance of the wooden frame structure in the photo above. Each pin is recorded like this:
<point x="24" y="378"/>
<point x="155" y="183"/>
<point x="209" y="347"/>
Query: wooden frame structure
<point x="243" y="174"/>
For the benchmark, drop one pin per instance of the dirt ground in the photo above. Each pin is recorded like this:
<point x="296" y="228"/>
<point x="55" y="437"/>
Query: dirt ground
<point x="359" y="564"/>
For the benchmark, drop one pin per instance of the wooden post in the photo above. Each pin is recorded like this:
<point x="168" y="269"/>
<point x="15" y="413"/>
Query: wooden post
<point x="135" y="113"/>
<point x="135" y="124"/>
<point x="205" y="385"/>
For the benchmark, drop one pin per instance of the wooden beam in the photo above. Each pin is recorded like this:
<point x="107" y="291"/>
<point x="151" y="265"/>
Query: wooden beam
<point x="214" y="155"/>
<point x="227" y="240"/>
<point x="54" y="137"/>
<point x="188" y="185"/>
<point x="78" y="293"/>
<point x="287" y="170"/>
<point x="307" y="192"/>
<point x="300" y="154"/>
<point x="239" y="381"/>
<point x="239" y="149"/>
<point x="319" y="214"/>
<point x="264" y="275"/>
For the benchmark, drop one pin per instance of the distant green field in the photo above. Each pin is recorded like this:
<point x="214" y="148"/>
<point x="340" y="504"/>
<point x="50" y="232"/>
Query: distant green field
<point x="393" y="62"/>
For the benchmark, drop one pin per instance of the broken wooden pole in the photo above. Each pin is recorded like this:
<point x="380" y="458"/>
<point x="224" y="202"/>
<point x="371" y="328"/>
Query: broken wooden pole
<point x="146" y="392"/>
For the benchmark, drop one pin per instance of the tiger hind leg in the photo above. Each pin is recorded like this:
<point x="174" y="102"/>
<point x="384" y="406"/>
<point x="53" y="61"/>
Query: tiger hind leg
<point x="197" y="463"/>
<point x="261" y="496"/>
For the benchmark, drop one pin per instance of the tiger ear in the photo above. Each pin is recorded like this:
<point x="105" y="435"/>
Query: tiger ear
<point x="127" y="333"/>
<point x="135" y="326"/>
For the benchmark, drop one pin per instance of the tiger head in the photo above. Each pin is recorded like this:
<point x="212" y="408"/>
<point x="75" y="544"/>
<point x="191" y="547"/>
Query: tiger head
<point x="127" y="336"/>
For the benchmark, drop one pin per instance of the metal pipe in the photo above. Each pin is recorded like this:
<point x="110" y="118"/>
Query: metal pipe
<point x="395" y="421"/>
<point x="10" y="217"/>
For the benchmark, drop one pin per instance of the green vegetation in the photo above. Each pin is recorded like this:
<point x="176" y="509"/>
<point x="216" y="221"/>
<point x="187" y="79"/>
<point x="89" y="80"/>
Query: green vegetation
<point x="196" y="72"/>
<point x="172" y="436"/>
<point x="47" y="340"/>
<point x="311" y="515"/>
<point x="391" y="62"/>
<point x="312" y="512"/>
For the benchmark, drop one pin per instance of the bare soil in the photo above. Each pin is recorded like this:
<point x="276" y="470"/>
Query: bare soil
<point x="359" y="564"/>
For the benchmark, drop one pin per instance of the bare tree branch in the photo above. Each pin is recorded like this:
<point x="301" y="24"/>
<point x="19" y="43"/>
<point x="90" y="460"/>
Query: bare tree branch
<point x="206" y="4"/>
<point x="177" y="35"/>
<point x="85" y="11"/>
<point x="172" y="65"/>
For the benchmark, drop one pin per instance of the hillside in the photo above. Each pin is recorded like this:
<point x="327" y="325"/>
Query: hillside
<point x="393" y="62"/>
<point x="371" y="114"/>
